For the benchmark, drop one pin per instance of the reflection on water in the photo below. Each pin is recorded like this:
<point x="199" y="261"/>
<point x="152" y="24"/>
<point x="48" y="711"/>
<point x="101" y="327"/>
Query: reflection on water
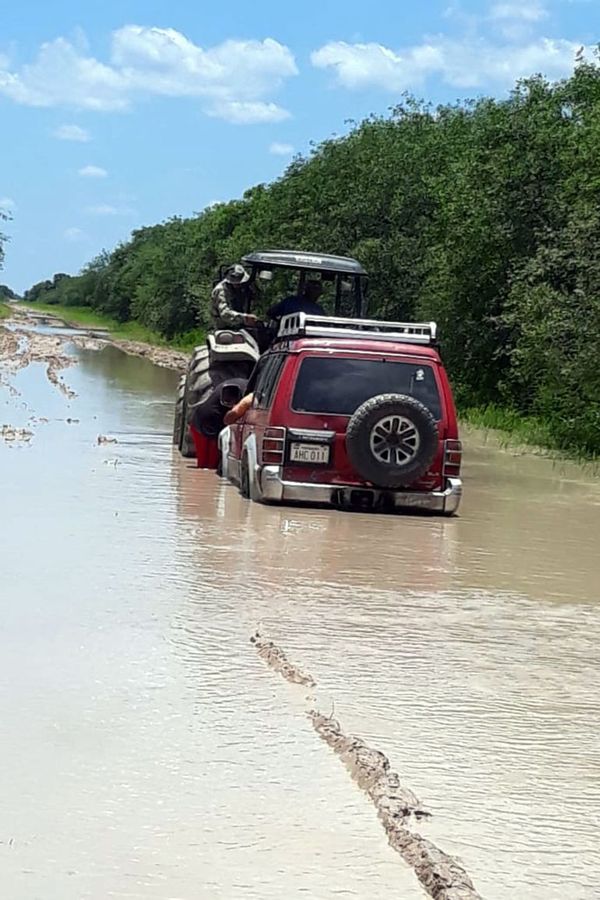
<point x="115" y="369"/>
<point x="147" y="751"/>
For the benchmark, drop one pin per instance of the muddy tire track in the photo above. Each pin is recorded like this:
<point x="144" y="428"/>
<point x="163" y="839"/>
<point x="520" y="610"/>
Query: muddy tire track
<point x="441" y="875"/>
<point x="278" y="661"/>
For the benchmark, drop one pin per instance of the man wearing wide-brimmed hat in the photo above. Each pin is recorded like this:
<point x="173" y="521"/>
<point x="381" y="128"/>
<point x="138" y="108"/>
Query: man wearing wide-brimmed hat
<point x="229" y="300"/>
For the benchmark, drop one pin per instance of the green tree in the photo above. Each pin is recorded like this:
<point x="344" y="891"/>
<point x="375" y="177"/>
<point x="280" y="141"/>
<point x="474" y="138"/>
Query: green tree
<point x="482" y="215"/>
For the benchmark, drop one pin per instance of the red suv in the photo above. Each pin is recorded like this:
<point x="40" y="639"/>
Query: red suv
<point x="348" y="412"/>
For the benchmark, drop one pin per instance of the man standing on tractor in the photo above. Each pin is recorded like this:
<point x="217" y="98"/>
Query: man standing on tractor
<point x="229" y="300"/>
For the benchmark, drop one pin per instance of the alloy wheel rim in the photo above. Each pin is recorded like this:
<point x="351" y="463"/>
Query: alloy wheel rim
<point x="394" y="440"/>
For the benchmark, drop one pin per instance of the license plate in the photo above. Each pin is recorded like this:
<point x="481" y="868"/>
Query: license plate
<point x="317" y="454"/>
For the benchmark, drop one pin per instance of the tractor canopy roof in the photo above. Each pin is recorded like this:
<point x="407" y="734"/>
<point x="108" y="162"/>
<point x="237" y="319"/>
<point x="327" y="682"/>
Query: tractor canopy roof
<point x="298" y="259"/>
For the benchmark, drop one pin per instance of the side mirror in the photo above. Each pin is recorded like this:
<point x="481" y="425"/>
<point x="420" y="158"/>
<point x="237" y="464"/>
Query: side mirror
<point x="230" y="395"/>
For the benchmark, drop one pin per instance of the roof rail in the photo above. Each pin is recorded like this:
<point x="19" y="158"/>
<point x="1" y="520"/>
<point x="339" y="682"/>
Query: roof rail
<point x="302" y="325"/>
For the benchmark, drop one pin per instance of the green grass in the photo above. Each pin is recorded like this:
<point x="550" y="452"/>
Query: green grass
<point x="526" y="435"/>
<point x="127" y="331"/>
<point x="515" y="430"/>
<point x="5" y="311"/>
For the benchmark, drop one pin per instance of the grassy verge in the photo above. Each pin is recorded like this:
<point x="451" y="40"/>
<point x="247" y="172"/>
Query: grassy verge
<point x="127" y="331"/>
<point x="515" y="430"/>
<point x="4" y="311"/>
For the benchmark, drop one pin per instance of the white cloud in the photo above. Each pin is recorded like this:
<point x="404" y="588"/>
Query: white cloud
<point x="248" y="113"/>
<point x="373" y="65"/>
<point x="92" y="172"/>
<point x="7" y="204"/>
<point x="72" y="133"/>
<point x="234" y="79"/>
<point x="527" y="11"/>
<point x="61" y="76"/>
<point x="468" y="63"/>
<point x="74" y="234"/>
<point x="278" y="149"/>
<point x="105" y="209"/>
<point x="516" y="21"/>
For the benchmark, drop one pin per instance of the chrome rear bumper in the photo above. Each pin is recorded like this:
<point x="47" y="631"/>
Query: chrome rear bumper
<point x="275" y="490"/>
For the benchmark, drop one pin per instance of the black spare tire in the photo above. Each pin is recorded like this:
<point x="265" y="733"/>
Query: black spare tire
<point x="391" y="440"/>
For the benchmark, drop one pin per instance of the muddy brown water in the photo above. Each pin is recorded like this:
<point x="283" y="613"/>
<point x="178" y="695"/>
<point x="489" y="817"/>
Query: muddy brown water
<point x="146" y="751"/>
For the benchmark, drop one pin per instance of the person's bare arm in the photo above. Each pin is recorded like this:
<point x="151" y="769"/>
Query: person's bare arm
<point x="239" y="410"/>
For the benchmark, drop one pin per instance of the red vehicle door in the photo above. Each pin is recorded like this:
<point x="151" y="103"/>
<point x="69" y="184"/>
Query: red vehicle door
<point x="257" y="418"/>
<point x="262" y="384"/>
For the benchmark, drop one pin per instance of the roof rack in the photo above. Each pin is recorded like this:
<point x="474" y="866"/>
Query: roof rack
<point x="302" y="325"/>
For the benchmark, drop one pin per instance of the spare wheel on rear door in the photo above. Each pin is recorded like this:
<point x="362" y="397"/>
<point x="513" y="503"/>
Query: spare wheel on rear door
<point x="392" y="440"/>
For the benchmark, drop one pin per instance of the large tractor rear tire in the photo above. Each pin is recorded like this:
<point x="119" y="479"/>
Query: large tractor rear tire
<point x="195" y="387"/>
<point x="178" y="418"/>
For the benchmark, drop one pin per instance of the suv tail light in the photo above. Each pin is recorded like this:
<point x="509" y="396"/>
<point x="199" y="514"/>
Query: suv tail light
<point x="273" y="446"/>
<point x="452" y="458"/>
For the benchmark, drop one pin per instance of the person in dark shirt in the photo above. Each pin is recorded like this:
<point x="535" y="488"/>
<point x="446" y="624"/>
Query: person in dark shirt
<point x="305" y="302"/>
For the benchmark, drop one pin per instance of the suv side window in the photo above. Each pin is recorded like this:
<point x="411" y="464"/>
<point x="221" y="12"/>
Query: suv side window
<point x="267" y="380"/>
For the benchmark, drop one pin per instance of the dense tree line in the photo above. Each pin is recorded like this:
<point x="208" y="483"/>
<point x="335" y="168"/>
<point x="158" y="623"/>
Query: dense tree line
<point x="7" y="293"/>
<point x="484" y="215"/>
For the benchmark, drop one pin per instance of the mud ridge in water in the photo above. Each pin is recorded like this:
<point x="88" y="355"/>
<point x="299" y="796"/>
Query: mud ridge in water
<point x="28" y="347"/>
<point x="9" y="349"/>
<point x="167" y="359"/>
<point x="15" y="435"/>
<point x="441" y="875"/>
<point x="9" y="345"/>
<point x="83" y="342"/>
<point x="278" y="661"/>
<point x="160" y="356"/>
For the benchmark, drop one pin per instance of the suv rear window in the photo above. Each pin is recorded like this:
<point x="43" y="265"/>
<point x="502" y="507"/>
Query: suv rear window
<point x="340" y="385"/>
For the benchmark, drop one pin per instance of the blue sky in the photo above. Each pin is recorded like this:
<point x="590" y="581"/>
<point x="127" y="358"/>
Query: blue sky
<point x="121" y="113"/>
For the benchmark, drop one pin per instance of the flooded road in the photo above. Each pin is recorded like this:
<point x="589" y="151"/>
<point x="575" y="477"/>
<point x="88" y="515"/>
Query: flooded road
<point x="146" y="750"/>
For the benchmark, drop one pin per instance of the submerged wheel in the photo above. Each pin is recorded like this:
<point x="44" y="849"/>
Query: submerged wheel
<point x="178" y="417"/>
<point x="186" y="442"/>
<point x="245" y="478"/>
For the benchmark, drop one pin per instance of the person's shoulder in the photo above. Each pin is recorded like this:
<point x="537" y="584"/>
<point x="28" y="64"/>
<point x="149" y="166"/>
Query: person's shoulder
<point x="221" y="288"/>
